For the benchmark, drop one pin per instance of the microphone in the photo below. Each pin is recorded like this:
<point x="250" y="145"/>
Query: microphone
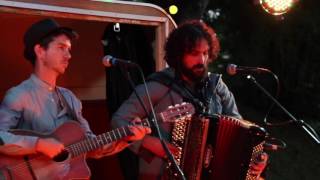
<point x="233" y="69"/>
<point x="109" y="61"/>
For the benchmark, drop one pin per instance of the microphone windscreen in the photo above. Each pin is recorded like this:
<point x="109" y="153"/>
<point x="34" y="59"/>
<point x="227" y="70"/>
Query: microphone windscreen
<point x="106" y="61"/>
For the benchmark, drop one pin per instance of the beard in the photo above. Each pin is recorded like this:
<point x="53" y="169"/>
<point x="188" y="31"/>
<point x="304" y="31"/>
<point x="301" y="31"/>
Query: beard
<point x="196" y="73"/>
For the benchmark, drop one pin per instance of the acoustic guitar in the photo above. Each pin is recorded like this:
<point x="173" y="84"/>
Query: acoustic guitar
<point x="71" y="163"/>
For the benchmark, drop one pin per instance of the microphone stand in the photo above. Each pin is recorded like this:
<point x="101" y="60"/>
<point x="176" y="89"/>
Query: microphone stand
<point x="154" y="118"/>
<point x="306" y="127"/>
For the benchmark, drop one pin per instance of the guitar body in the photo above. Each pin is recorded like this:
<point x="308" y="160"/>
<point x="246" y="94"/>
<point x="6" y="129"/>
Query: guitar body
<point x="38" y="166"/>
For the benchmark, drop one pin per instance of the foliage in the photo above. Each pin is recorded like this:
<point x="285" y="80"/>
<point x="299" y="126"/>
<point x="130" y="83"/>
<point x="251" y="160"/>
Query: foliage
<point x="287" y="45"/>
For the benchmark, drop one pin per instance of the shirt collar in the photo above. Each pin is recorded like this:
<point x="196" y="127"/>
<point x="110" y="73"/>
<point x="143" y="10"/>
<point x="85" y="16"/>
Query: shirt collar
<point x="38" y="82"/>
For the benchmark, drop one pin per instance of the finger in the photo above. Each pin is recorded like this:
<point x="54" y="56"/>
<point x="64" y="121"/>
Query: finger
<point x="254" y="168"/>
<point x="136" y="120"/>
<point x="147" y="130"/>
<point x="142" y="129"/>
<point x="53" y="154"/>
<point x="262" y="157"/>
<point x="254" y="171"/>
<point x="135" y="130"/>
<point x="61" y="147"/>
<point x="137" y="133"/>
<point x="258" y="166"/>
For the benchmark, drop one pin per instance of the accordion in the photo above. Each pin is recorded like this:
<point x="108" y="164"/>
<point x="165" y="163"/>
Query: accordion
<point x="216" y="148"/>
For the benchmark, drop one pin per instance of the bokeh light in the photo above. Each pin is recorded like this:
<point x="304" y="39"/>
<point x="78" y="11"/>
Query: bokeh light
<point x="173" y="9"/>
<point x="277" y="7"/>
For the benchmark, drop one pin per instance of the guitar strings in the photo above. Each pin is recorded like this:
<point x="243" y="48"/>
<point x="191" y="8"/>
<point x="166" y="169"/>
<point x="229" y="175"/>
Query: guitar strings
<point x="75" y="149"/>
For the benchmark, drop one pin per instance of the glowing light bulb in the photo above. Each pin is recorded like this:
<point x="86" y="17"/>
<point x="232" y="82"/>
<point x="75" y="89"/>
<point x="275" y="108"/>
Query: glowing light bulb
<point x="277" y="7"/>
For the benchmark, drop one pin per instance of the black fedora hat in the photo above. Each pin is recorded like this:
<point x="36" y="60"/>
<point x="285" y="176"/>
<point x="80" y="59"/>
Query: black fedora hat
<point x="42" y="29"/>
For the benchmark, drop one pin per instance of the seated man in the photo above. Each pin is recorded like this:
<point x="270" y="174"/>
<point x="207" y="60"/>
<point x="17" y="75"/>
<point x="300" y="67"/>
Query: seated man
<point x="38" y="104"/>
<point x="188" y="51"/>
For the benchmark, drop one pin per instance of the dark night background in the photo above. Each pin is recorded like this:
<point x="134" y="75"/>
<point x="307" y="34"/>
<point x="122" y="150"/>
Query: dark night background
<point x="289" y="46"/>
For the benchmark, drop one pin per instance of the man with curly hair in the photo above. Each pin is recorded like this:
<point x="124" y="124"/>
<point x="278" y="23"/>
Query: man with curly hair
<point x="188" y="51"/>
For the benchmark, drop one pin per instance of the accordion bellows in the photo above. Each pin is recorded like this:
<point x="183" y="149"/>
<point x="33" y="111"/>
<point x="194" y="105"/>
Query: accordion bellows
<point x="216" y="148"/>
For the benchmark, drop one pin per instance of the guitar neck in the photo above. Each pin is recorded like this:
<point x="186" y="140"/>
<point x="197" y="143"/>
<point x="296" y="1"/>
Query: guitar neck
<point x="172" y="114"/>
<point x="90" y="144"/>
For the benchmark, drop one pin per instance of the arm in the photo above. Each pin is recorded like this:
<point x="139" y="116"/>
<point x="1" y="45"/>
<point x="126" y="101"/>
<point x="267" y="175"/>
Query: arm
<point x="229" y="106"/>
<point x="132" y="108"/>
<point x="153" y="145"/>
<point x="109" y="149"/>
<point x="138" y="133"/>
<point x="129" y="110"/>
<point x="11" y="113"/>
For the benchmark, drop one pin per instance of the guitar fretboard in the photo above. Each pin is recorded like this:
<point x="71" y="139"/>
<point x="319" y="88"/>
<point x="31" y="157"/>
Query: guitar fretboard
<point x="172" y="114"/>
<point x="99" y="141"/>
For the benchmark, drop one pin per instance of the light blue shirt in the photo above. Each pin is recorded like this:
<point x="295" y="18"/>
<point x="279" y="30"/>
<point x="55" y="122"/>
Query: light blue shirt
<point x="34" y="105"/>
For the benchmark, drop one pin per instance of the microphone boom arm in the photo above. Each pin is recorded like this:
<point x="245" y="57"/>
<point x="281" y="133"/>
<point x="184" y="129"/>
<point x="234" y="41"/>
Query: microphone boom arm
<point x="307" y="128"/>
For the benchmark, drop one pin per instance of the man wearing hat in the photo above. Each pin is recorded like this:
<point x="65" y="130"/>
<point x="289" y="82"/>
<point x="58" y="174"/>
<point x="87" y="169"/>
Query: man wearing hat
<point x="38" y="104"/>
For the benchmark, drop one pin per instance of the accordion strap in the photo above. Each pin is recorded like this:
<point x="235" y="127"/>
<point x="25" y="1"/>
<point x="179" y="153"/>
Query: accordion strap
<point x="178" y="86"/>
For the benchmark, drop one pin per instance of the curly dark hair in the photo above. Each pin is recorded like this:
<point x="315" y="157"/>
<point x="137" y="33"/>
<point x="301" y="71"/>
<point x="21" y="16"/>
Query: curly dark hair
<point x="184" y="39"/>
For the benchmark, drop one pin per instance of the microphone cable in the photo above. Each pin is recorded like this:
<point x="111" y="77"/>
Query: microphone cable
<point x="265" y="119"/>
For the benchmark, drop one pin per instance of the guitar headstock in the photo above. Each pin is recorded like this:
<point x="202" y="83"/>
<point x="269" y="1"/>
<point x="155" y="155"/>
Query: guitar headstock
<point x="177" y="112"/>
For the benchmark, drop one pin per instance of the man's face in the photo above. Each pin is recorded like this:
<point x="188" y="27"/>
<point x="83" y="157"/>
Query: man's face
<point x="56" y="57"/>
<point x="195" y="63"/>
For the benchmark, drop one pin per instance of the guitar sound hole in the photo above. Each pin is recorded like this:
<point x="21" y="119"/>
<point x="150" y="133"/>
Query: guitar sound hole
<point x="61" y="156"/>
